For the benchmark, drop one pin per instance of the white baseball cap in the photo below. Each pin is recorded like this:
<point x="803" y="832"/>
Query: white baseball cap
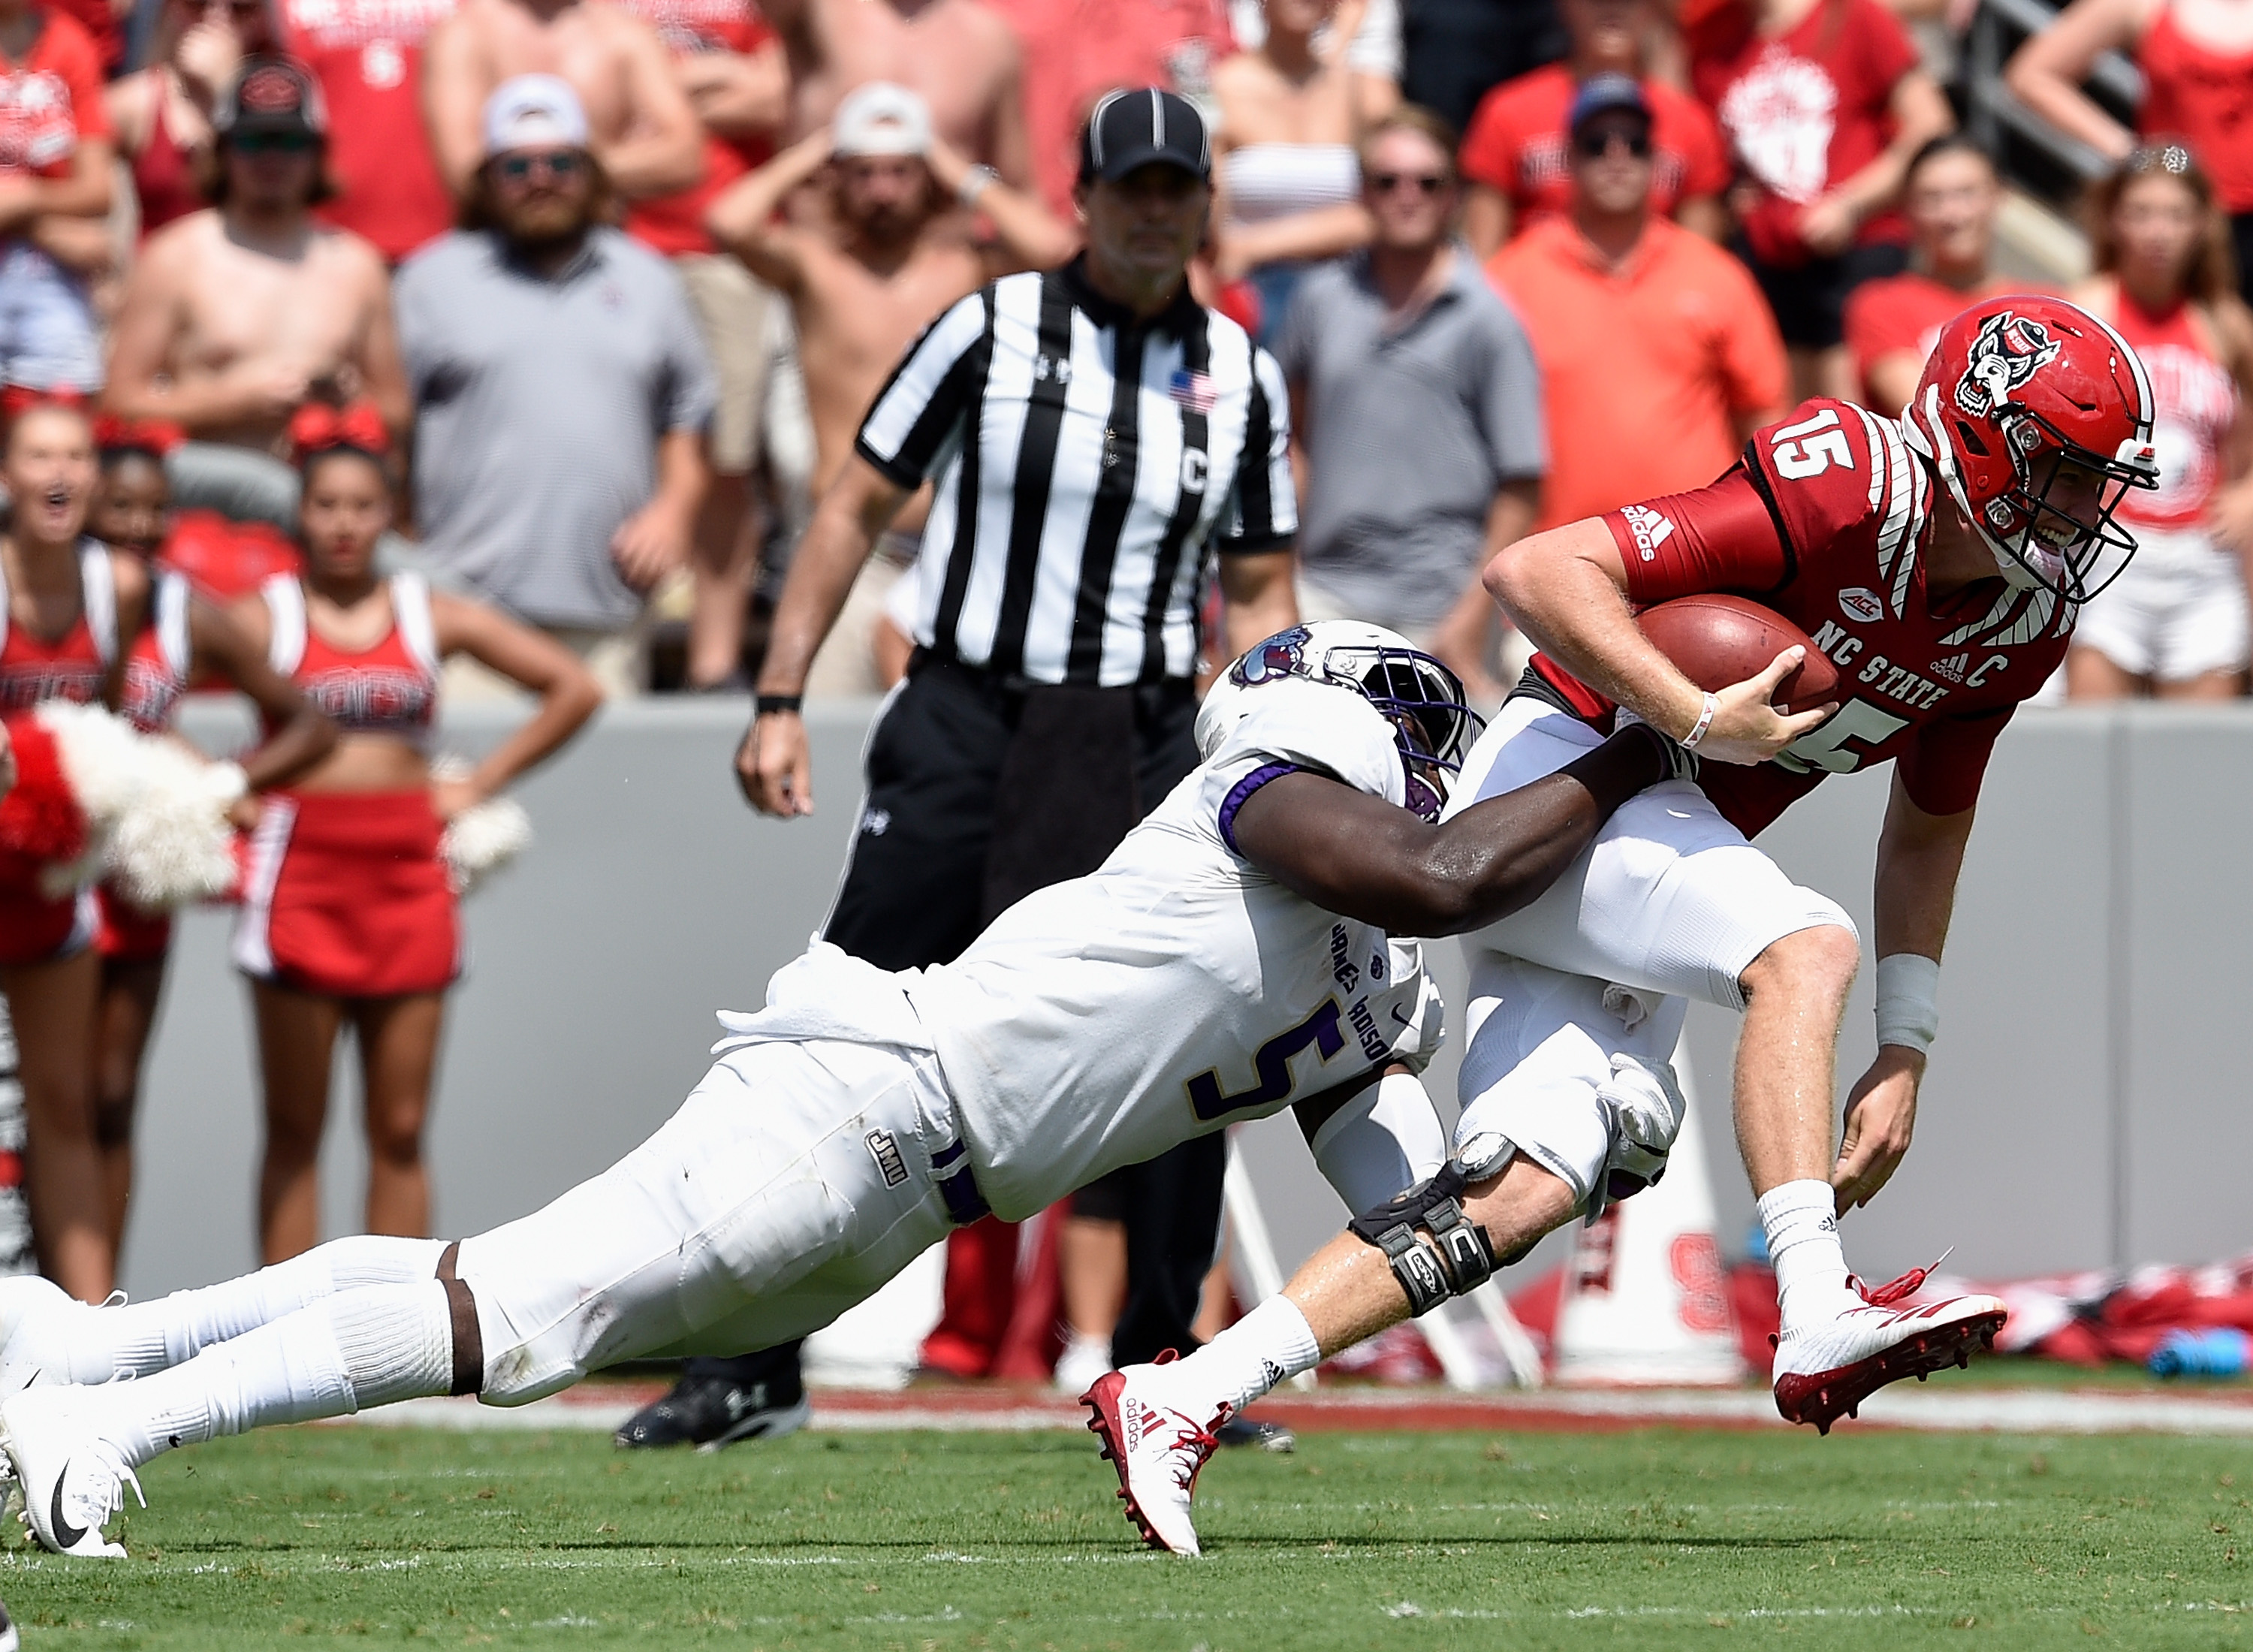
<point x="882" y="118"/>
<point x="535" y="111"/>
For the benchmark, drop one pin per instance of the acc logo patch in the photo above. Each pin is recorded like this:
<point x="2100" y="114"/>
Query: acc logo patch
<point x="1280" y="656"/>
<point x="2007" y="352"/>
<point x="1862" y="605"/>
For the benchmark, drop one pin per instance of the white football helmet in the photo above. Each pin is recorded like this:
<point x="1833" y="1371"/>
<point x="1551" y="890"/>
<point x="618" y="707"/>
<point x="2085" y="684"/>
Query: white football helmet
<point x="1420" y="698"/>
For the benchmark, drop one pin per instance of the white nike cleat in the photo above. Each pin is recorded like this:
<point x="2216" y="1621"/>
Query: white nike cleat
<point x="27" y="1307"/>
<point x="1825" y="1371"/>
<point x="72" y="1480"/>
<point x="1157" y="1449"/>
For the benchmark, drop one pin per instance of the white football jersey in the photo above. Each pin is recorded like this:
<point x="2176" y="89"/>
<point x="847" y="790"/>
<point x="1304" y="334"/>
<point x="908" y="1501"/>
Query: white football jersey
<point x="1177" y="988"/>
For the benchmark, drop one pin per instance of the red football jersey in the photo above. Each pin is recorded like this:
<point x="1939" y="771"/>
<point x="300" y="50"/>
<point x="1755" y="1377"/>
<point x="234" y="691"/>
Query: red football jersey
<point x="1826" y="520"/>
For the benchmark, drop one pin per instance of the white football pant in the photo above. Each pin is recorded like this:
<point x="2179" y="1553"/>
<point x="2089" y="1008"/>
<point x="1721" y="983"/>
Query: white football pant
<point x="1669" y="903"/>
<point x="758" y="1213"/>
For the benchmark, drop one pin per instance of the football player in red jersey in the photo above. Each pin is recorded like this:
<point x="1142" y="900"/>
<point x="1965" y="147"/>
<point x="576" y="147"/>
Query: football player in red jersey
<point x="1939" y="562"/>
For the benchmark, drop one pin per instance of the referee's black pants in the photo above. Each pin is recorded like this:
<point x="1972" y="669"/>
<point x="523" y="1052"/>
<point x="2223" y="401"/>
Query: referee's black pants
<point x="916" y="892"/>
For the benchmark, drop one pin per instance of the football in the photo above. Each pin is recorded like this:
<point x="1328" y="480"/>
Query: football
<point x="1719" y="640"/>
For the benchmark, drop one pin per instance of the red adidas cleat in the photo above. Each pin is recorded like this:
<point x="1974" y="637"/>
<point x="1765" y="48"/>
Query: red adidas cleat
<point x="1156" y="1447"/>
<point x="1825" y="1371"/>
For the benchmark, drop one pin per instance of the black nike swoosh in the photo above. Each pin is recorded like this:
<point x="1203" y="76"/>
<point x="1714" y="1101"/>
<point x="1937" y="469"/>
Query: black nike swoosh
<point x="67" y="1535"/>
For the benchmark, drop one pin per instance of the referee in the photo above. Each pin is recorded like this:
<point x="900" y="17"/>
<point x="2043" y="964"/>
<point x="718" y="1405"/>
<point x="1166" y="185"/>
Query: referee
<point x="1097" y="439"/>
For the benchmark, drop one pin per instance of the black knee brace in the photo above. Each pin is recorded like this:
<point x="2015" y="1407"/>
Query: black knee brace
<point x="1457" y="1258"/>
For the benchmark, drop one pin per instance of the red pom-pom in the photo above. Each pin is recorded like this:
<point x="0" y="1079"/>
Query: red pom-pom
<point x="40" y="819"/>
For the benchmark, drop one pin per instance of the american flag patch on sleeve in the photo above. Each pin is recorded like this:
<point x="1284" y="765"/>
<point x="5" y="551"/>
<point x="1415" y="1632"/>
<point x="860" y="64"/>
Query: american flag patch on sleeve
<point x="1193" y="390"/>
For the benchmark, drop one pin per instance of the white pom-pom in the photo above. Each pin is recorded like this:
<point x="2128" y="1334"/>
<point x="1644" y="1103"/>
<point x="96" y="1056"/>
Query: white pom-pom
<point x="156" y="812"/>
<point x="483" y="838"/>
<point x="174" y="844"/>
<point x="100" y="758"/>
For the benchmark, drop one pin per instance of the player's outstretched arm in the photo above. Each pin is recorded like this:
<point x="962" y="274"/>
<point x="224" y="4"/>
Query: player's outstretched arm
<point x="1363" y="858"/>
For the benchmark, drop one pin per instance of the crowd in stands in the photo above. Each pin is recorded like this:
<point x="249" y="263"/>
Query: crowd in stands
<point x="309" y="200"/>
<point x="601" y="290"/>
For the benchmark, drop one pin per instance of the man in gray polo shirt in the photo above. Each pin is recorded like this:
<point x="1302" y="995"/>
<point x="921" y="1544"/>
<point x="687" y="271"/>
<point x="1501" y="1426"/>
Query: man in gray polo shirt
<point x="1418" y="403"/>
<point x="560" y="392"/>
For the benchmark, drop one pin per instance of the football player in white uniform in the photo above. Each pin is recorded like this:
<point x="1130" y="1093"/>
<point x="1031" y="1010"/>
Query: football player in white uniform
<point x="1237" y="954"/>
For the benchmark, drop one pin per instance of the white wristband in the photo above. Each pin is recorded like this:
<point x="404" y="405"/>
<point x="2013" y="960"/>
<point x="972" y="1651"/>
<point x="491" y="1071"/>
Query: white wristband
<point x="1908" y="1000"/>
<point x="1689" y="741"/>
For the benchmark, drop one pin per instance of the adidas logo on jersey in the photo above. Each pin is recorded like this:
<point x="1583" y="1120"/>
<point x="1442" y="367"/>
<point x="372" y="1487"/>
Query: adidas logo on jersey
<point x="1651" y="528"/>
<point x="1953" y="667"/>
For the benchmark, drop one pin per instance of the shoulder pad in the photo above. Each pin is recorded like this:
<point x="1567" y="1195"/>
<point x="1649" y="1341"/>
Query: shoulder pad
<point x="1318" y="726"/>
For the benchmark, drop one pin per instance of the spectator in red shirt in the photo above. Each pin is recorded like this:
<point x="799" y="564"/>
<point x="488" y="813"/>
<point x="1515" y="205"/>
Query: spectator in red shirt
<point x="2197" y="59"/>
<point x="162" y="114"/>
<point x="1950" y="199"/>
<point x="732" y="67"/>
<point x="1658" y="359"/>
<point x="368" y="56"/>
<point x="1514" y="156"/>
<point x="104" y="22"/>
<point x="1823" y="103"/>
<point x="1075" y="51"/>
<point x="54" y="174"/>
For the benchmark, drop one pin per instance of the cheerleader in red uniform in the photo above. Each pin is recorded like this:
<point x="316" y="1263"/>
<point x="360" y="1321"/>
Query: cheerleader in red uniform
<point x="65" y="603"/>
<point x="187" y="642"/>
<point x="347" y="912"/>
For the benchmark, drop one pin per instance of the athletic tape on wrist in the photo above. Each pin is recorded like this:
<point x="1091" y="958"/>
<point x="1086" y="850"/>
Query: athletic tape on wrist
<point x="1908" y="1000"/>
<point x="1705" y="721"/>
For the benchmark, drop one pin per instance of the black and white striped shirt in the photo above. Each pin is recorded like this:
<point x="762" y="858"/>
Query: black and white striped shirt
<point x="1087" y="467"/>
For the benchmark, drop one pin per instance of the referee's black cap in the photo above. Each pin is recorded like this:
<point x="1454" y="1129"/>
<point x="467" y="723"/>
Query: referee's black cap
<point x="1138" y="126"/>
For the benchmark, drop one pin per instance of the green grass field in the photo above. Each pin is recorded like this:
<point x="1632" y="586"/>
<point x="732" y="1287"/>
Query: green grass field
<point x="927" y="1541"/>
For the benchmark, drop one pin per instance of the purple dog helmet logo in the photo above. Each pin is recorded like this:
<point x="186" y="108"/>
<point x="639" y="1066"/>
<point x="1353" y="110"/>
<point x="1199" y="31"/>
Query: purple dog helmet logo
<point x="1282" y="655"/>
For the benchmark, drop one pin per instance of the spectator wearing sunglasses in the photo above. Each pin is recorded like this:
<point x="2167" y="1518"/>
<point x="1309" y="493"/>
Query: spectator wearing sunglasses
<point x="235" y="316"/>
<point x="562" y="393"/>
<point x="1416" y="400"/>
<point x="1514" y="154"/>
<point x="1658" y="357"/>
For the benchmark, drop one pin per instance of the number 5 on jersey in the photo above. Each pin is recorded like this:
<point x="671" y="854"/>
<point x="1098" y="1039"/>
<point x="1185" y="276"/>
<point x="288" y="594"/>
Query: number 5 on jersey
<point x="1271" y="1063"/>
<point x="1824" y="748"/>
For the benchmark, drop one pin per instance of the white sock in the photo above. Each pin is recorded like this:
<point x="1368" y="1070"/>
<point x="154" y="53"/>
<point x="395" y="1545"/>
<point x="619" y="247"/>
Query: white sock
<point x="365" y="1347"/>
<point x="1801" y="1221"/>
<point x="138" y="1338"/>
<point x="1271" y="1344"/>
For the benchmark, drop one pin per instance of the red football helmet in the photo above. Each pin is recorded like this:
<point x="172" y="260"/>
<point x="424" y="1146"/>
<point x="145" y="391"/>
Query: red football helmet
<point x="2016" y="392"/>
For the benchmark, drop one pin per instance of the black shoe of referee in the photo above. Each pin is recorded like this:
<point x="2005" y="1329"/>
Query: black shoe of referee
<point x="719" y="1402"/>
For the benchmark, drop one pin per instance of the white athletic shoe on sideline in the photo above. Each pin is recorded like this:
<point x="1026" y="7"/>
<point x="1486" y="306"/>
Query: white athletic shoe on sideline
<point x="26" y="1299"/>
<point x="1156" y="1447"/>
<point x="72" y="1481"/>
<point x="1825" y="1371"/>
